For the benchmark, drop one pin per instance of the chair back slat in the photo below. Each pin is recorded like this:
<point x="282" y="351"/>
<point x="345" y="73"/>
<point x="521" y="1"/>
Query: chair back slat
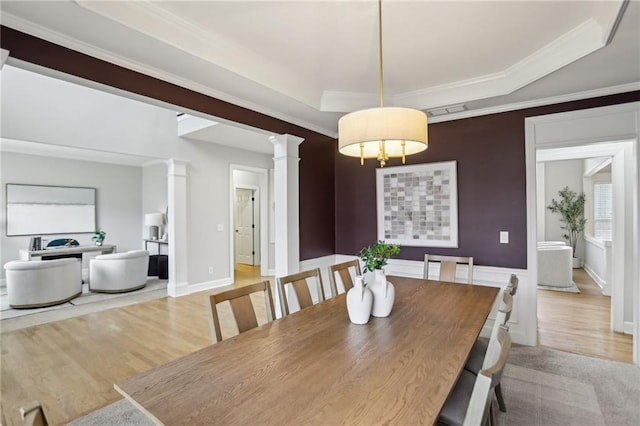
<point x="241" y="307"/>
<point x="244" y="313"/>
<point x="300" y="287"/>
<point x="448" y="265"/>
<point x="343" y="271"/>
<point x="302" y="293"/>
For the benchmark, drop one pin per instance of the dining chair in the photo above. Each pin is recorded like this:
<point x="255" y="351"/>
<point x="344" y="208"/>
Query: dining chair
<point x="241" y="307"/>
<point x="32" y="414"/>
<point x="448" y="266"/>
<point x="344" y="272"/>
<point x="469" y="403"/>
<point x="300" y="285"/>
<point x="513" y="284"/>
<point x="477" y="359"/>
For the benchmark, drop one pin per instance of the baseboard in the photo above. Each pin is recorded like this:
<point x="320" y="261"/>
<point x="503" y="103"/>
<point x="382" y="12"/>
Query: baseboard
<point x="595" y="277"/>
<point x="208" y="285"/>
<point x="627" y="327"/>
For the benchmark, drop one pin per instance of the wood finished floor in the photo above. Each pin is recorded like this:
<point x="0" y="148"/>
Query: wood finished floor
<point x="581" y="323"/>
<point x="71" y="365"/>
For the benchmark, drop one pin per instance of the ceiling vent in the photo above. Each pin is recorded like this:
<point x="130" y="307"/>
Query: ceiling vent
<point x="446" y="110"/>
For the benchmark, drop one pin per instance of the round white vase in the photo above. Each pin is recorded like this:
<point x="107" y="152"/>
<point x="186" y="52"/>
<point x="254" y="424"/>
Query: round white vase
<point x="383" y="294"/>
<point x="359" y="302"/>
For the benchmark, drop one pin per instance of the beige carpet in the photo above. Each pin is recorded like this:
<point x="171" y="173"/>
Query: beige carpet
<point x="542" y="387"/>
<point x="16" y="319"/>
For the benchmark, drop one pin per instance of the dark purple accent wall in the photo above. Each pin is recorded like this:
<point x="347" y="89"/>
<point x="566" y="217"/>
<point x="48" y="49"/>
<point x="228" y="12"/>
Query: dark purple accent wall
<point x="317" y="228"/>
<point x="489" y="151"/>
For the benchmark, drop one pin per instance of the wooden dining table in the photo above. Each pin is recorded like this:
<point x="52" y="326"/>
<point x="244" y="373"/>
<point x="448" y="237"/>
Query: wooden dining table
<point x="316" y="367"/>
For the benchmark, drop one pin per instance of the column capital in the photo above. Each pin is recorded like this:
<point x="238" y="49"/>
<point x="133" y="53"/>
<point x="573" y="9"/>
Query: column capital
<point x="285" y="145"/>
<point x="176" y="167"/>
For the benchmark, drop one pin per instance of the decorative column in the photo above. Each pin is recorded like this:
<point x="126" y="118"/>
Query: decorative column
<point x="287" y="210"/>
<point x="177" y="227"/>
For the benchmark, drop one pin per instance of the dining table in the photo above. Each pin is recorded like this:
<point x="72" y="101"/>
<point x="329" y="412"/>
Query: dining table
<point x="315" y="367"/>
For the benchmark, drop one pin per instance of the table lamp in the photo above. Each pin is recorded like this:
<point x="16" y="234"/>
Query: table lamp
<point x="154" y="221"/>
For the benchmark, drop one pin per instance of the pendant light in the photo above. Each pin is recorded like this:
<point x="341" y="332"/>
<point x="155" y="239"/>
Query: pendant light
<point x="383" y="132"/>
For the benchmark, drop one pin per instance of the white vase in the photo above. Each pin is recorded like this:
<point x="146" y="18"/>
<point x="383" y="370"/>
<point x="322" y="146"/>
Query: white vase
<point x="383" y="294"/>
<point x="359" y="302"/>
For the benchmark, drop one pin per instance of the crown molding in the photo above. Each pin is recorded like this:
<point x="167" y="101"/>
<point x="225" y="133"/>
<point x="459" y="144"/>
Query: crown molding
<point x="573" y="45"/>
<point x="605" y="91"/>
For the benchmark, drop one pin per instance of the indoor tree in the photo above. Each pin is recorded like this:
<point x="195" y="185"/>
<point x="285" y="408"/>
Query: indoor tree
<point x="571" y="211"/>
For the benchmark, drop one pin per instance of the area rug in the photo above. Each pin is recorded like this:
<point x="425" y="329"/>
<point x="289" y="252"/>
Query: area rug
<point x="16" y="319"/>
<point x="572" y="289"/>
<point x="542" y="387"/>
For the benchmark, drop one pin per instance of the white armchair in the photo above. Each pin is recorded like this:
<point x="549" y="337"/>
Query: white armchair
<point x="35" y="284"/>
<point x="119" y="272"/>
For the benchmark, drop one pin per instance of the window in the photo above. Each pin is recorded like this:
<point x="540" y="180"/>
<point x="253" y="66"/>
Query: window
<point x="602" y="210"/>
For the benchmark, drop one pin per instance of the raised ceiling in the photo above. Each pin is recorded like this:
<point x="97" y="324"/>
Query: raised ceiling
<point x="309" y="62"/>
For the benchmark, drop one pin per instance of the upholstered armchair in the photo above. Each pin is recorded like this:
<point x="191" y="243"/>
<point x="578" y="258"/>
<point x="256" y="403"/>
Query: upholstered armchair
<point x="119" y="272"/>
<point x="35" y="284"/>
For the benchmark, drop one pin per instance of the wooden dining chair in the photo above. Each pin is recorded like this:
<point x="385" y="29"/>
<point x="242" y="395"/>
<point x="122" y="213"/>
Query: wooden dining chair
<point x="241" y="307"/>
<point x="300" y="285"/>
<point x="343" y="271"/>
<point x="448" y="266"/>
<point x="513" y="284"/>
<point x="32" y="414"/>
<point x="469" y="403"/>
<point x="477" y="359"/>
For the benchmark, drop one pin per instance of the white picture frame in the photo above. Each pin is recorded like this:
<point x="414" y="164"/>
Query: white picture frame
<point x="417" y="205"/>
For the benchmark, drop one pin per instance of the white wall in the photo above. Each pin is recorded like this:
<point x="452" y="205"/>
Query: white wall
<point x="559" y="174"/>
<point x="118" y="207"/>
<point x="42" y="109"/>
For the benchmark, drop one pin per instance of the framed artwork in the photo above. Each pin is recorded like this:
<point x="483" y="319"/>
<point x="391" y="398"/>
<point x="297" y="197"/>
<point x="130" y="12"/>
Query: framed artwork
<point x="418" y="205"/>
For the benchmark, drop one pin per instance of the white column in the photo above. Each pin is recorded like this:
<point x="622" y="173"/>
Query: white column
<point x="177" y="227"/>
<point x="287" y="209"/>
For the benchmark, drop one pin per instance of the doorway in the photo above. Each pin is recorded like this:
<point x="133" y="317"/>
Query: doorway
<point x="594" y="129"/>
<point x="247" y="237"/>
<point x="249" y="200"/>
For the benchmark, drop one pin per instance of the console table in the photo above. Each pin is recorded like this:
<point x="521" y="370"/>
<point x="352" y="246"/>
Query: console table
<point x="158" y="242"/>
<point x="66" y="250"/>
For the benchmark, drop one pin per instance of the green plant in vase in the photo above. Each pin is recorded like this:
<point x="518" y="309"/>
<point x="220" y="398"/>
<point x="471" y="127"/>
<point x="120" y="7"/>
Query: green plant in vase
<point x="99" y="236"/>
<point x="376" y="255"/>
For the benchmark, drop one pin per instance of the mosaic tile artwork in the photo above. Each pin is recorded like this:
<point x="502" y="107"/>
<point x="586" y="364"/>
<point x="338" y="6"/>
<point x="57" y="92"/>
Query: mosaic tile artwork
<point x="417" y="206"/>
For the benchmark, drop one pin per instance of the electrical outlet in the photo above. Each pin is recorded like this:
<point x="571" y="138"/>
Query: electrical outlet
<point x="211" y="270"/>
<point x="504" y="237"/>
<point x="220" y="227"/>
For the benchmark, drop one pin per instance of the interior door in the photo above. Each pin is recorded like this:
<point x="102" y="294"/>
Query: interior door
<point x="244" y="226"/>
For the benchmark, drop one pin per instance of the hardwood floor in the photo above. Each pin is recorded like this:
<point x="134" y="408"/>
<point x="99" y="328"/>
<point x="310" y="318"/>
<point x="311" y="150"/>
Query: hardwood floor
<point x="581" y="323"/>
<point x="70" y="366"/>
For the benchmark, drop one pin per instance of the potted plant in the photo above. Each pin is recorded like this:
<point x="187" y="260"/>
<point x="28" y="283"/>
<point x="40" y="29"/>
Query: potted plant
<point x="99" y="236"/>
<point x="571" y="211"/>
<point x="375" y="256"/>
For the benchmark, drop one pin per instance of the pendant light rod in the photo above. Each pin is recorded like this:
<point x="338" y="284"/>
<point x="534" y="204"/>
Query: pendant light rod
<point x="380" y="53"/>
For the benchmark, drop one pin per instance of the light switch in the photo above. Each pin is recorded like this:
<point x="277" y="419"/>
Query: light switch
<point x="504" y="237"/>
<point x="220" y="227"/>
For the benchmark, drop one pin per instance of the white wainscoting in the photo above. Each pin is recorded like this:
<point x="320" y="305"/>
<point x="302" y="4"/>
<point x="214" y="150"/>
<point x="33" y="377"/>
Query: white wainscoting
<point x="597" y="254"/>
